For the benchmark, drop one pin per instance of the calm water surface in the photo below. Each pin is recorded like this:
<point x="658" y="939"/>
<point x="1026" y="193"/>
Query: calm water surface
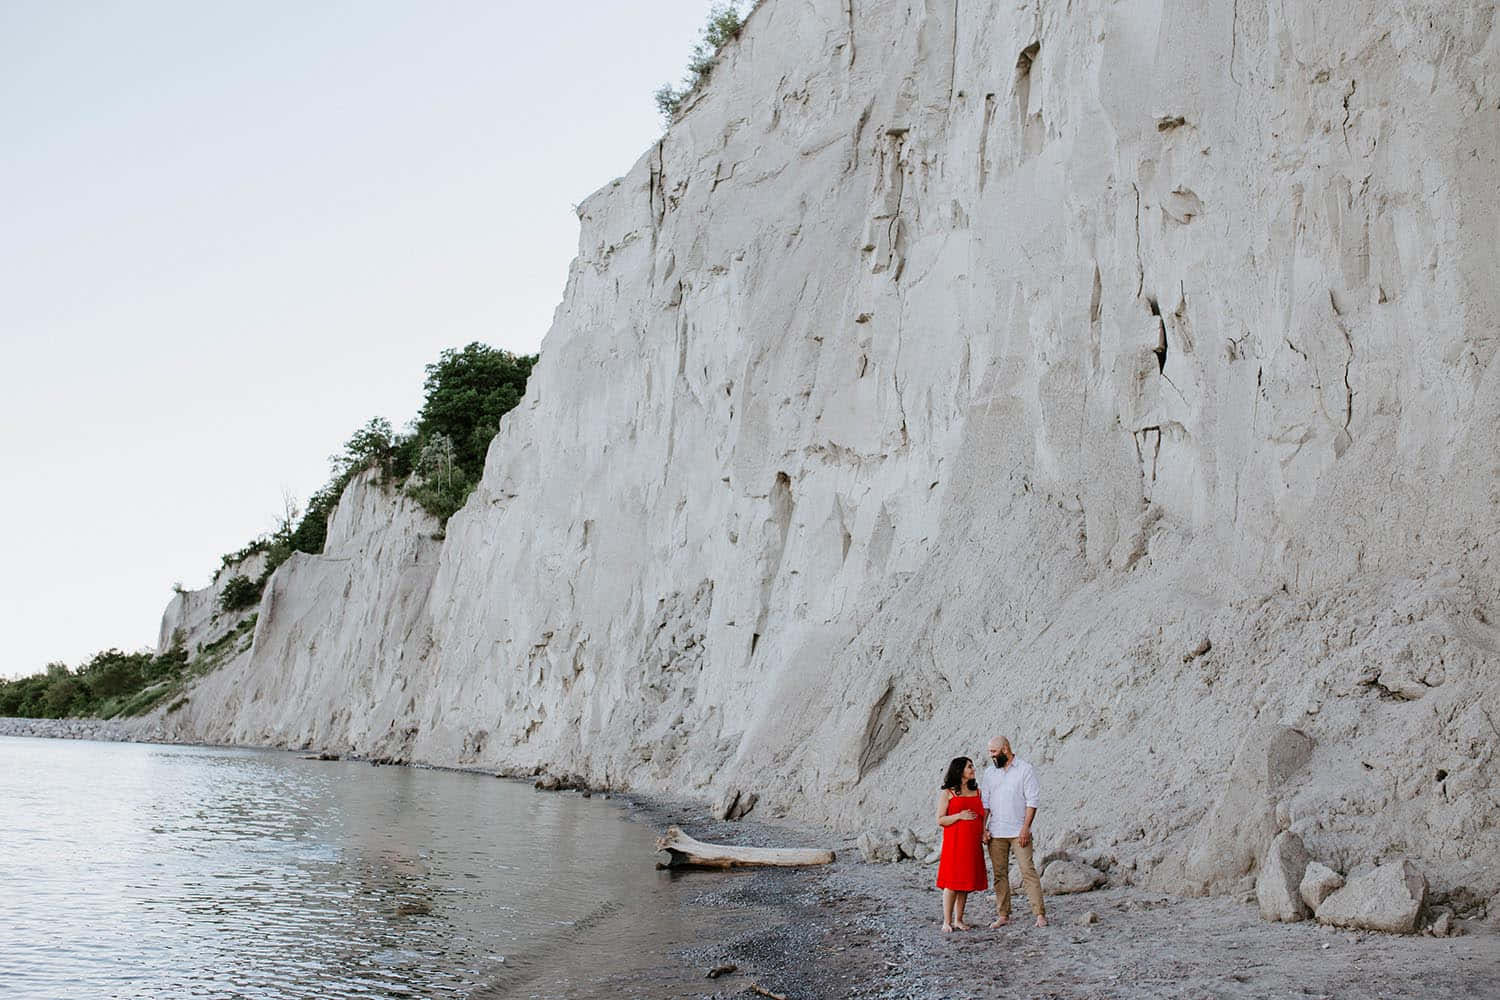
<point x="130" y="870"/>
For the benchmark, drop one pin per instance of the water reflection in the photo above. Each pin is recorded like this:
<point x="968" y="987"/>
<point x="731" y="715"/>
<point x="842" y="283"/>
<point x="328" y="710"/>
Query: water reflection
<point x="135" y="871"/>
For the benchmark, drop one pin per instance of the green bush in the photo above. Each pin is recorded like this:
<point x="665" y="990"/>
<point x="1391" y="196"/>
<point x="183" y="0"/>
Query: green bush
<point x="724" y="24"/>
<point x="466" y="393"/>
<point x="111" y="683"/>
<point x="239" y="593"/>
<point x="63" y="695"/>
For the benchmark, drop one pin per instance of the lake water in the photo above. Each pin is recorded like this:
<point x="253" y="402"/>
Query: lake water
<point x="130" y="870"/>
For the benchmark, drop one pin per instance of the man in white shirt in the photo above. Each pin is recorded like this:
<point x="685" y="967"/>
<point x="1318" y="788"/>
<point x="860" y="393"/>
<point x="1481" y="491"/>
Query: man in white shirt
<point x="1011" y="792"/>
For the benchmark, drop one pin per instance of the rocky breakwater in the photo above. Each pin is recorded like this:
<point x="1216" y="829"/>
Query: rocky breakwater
<point x="108" y="730"/>
<point x="1118" y="377"/>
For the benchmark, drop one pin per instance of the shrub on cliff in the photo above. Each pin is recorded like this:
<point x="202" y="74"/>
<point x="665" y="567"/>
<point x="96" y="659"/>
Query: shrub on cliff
<point x="239" y="593"/>
<point x="724" y="24"/>
<point x="466" y="392"/>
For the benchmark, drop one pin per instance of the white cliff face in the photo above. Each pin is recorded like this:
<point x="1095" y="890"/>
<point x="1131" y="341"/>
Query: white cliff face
<point x="193" y="618"/>
<point x="1113" y="376"/>
<point x="337" y="639"/>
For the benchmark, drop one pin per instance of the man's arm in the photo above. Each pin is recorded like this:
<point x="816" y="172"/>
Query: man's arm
<point x="1033" y="789"/>
<point x="1025" y="838"/>
<point x="984" y="800"/>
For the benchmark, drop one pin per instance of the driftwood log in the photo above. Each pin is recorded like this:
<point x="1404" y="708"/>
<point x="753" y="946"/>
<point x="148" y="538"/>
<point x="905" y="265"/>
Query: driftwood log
<point x="685" y="852"/>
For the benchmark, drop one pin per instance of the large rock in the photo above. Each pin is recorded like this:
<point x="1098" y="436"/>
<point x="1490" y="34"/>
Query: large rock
<point x="1242" y="821"/>
<point x="1063" y="877"/>
<point x="735" y="804"/>
<point x="1318" y="883"/>
<point x="874" y="847"/>
<point x="911" y="845"/>
<point x="1389" y="898"/>
<point x="1277" y="886"/>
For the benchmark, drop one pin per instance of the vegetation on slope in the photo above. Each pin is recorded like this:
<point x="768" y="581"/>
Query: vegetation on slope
<point x="438" y="458"/>
<point x="115" y="684"/>
<point x="724" y="24"/>
<point x="437" y="461"/>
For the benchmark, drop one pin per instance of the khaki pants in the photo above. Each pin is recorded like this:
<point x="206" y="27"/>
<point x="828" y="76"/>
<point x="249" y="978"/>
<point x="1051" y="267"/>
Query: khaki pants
<point x="1000" y="848"/>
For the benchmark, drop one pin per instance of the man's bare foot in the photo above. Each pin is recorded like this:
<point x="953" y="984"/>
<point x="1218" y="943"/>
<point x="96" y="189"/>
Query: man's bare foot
<point x="947" y="928"/>
<point x="1041" y="921"/>
<point x="1000" y="921"/>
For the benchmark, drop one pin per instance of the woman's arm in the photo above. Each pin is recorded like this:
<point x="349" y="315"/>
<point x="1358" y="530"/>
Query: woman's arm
<point x="942" y="813"/>
<point x="942" y="816"/>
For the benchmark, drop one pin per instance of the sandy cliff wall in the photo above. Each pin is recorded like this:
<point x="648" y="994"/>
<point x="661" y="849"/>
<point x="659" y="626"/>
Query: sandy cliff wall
<point x="338" y="639"/>
<point x="1118" y="376"/>
<point x="193" y="618"/>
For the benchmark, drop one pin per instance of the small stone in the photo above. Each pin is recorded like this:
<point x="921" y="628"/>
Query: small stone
<point x="1088" y="917"/>
<point x="1063" y="877"/>
<point x="1318" y="883"/>
<point x="720" y="970"/>
<point x="1443" y="925"/>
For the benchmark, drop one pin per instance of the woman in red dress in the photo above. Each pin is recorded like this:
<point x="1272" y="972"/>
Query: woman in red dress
<point x="960" y="813"/>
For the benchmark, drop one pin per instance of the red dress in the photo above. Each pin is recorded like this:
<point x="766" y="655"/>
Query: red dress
<point x="961" y="866"/>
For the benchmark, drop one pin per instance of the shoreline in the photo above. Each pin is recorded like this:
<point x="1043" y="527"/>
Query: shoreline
<point x="855" y="929"/>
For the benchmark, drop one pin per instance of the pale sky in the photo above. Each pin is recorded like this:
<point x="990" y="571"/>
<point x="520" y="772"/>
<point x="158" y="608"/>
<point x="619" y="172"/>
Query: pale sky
<point x="234" y="231"/>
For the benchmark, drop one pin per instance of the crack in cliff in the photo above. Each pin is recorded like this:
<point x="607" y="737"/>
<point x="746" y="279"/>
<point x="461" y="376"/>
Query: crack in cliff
<point x="1348" y="361"/>
<point x="657" y="189"/>
<point x="984" y="140"/>
<point x="1344" y="126"/>
<point x="858" y="136"/>
<point x="896" y="373"/>
<point x="1166" y="378"/>
<point x="1234" y="39"/>
<point x="1140" y="265"/>
<point x="849" y="32"/>
<point x="953" y="52"/>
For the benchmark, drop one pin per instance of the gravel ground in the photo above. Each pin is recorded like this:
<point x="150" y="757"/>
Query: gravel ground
<point x="855" y="930"/>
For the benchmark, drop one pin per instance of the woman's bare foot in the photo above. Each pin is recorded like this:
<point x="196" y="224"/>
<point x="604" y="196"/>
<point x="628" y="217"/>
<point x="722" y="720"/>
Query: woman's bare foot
<point x="1000" y="921"/>
<point x="1041" y="921"/>
<point x="947" y="928"/>
<point x="960" y="926"/>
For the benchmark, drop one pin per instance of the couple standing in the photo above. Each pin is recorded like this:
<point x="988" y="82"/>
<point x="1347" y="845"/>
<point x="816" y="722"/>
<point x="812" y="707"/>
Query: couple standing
<point x="995" y="811"/>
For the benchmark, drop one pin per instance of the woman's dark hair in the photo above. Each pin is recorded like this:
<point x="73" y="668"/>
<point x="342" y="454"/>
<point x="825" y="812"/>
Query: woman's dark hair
<point x="954" y="779"/>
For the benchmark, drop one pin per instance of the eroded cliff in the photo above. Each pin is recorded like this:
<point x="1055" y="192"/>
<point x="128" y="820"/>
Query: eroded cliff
<point x="1117" y="376"/>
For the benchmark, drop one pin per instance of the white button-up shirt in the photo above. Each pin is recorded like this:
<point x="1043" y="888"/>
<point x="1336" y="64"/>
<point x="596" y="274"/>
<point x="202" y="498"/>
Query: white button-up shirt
<point x="1007" y="792"/>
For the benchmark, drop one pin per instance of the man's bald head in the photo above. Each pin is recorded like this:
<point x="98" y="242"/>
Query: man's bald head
<point x="1000" y="744"/>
